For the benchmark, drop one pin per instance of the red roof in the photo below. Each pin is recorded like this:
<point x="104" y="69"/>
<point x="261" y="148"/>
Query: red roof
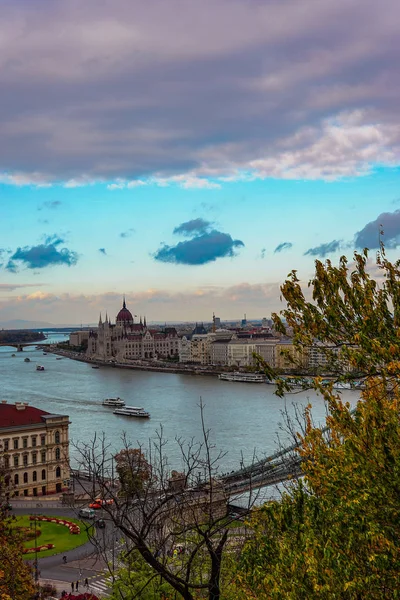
<point x="10" y="416"/>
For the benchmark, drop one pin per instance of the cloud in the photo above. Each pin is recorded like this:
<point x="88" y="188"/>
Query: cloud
<point x="103" y="251"/>
<point x="42" y="255"/>
<point x="202" y="249"/>
<point x="51" y="204"/>
<point x="283" y="246"/>
<point x="9" y="287"/>
<point x="324" y="249"/>
<point x="126" y="234"/>
<point x="368" y="237"/>
<point x="281" y="89"/>
<point x="193" y="227"/>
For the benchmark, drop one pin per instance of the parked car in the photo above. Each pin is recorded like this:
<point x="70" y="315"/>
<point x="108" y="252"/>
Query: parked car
<point x="87" y="513"/>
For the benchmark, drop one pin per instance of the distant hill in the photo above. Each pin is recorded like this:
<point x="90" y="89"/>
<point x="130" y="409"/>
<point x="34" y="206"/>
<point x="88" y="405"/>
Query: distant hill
<point x="21" y="324"/>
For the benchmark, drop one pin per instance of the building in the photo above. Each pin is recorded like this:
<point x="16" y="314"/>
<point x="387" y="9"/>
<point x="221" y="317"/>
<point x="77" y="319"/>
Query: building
<point x="78" y="338"/>
<point x="35" y="448"/>
<point x="127" y="340"/>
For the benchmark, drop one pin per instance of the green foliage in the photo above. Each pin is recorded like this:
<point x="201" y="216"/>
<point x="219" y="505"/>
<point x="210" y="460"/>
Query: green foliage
<point x="336" y="534"/>
<point x="138" y="580"/>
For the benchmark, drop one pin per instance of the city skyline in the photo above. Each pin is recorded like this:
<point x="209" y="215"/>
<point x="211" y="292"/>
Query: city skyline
<point x="191" y="156"/>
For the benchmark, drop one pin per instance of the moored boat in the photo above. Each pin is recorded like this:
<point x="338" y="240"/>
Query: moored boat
<point x="243" y="377"/>
<point x="39" y="368"/>
<point x="116" y="402"/>
<point x="132" y="411"/>
<point x="27" y="359"/>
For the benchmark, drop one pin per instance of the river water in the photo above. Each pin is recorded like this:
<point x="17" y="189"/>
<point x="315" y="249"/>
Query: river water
<point x="243" y="418"/>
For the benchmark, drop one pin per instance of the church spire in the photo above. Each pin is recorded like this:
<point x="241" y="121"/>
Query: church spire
<point x="100" y="321"/>
<point x="144" y="322"/>
<point x="124" y="303"/>
<point x="141" y="320"/>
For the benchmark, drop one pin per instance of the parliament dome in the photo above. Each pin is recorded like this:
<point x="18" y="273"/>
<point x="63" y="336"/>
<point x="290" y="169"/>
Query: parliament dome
<point x="124" y="315"/>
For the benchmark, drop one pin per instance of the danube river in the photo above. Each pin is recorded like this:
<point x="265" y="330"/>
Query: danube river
<point x="243" y="418"/>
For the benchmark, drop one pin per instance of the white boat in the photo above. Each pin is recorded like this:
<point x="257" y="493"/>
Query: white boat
<point x="132" y="411"/>
<point x="243" y="377"/>
<point x="39" y="368"/>
<point x="113" y="402"/>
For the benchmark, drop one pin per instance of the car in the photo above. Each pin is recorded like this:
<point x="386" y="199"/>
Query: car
<point x="100" y="523"/>
<point x="99" y="503"/>
<point x="87" y="513"/>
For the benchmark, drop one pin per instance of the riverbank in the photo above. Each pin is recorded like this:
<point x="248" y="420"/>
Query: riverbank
<point x="141" y="365"/>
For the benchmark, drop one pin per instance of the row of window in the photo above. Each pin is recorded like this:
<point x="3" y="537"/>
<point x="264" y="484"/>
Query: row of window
<point x="35" y="475"/>
<point x="34" y="458"/>
<point x="15" y="441"/>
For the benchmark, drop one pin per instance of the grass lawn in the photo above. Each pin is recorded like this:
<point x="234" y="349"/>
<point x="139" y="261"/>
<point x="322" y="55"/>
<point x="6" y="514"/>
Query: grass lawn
<point x="51" y="533"/>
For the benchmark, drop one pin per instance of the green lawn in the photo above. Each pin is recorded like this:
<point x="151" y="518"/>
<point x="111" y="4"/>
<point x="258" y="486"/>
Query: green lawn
<point x="51" y="533"/>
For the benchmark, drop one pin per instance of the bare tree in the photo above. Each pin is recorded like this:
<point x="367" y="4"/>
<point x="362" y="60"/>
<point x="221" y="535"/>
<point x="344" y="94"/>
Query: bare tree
<point x="176" y="522"/>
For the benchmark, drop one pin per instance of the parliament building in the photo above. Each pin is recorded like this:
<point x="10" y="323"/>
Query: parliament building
<point x="126" y="340"/>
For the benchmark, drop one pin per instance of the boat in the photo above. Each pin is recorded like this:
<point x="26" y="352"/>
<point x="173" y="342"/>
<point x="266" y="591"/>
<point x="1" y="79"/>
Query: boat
<point x="113" y="402"/>
<point x="132" y="411"/>
<point x="243" y="377"/>
<point x="39" y="368"/>
<point x="27" y="359"/>
<point x="59" y="358"/>
<point x="12" y="354"/>
<point x="44" y="353"/>
<point x="95" y="367"/>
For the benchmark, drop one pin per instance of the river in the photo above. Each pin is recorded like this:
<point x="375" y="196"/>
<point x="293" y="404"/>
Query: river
<point x="243" y="419"/>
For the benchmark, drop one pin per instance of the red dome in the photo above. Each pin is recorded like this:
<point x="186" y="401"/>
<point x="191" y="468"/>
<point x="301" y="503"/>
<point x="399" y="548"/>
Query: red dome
<point x="124" y="314"/>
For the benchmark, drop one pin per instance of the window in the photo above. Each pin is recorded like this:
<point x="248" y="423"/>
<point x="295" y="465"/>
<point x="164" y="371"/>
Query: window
<point x="5" y="445"/>
<point x="43" y="473"/>
<point x="25" y="460"/>
<point x="34" y="458"/>
<point x="25" y="477"/>
<point x="6" y="462"/>
<point x="58" y="472"/>
<point x="43" y="455"/>
<point x="34" y="440"/>
<point x="43" y="440"/>
<point x="16" y="461"/>
<point x="34" y="476"/>
<point x="25" y="443"/>
<point x="58" y="454"/>
<point x="57" y="437"/>
<point x="16" y="479"/>
<point x="16" y="444"/>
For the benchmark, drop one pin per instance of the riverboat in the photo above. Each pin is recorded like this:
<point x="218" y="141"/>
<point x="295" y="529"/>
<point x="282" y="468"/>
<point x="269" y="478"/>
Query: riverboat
<point x="95" y="367"/>
<point x="132" y="411"/>
<point x="39" y="368"/>
<point x="116" y="402"/>
<point x="243" y="377"/>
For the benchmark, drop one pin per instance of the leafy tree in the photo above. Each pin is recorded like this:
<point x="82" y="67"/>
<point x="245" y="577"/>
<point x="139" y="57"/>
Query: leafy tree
<point x="133" y="470"/>
<point x="336" y="533"/>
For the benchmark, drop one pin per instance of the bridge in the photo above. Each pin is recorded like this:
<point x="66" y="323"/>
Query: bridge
<point x="21" y="345"/>
<point x="281" y="466"/>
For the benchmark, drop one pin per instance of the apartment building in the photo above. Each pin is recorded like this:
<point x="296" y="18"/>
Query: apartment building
<point x="34" y="446"/>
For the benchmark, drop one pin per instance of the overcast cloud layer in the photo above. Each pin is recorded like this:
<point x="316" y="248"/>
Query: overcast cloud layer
<point x="138" y="92"/>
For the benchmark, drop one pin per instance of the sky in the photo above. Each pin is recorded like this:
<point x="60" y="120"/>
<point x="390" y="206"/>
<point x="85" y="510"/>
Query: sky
<point x="191" y="154"/>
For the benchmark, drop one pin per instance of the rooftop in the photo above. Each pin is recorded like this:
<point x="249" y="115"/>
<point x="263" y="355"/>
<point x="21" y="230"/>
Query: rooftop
<point x="20" y="413"/>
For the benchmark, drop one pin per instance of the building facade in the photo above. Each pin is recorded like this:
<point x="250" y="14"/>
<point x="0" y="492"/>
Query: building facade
<point x="127" y="340"/>
<point x="34" y="446"/>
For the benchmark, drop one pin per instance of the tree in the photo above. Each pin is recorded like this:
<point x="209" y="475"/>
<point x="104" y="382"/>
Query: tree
<point x="336" y="532"/>
<point x="133" y="470"/>
<point x="174" y="524"/>
<point x="15" y="577"/>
